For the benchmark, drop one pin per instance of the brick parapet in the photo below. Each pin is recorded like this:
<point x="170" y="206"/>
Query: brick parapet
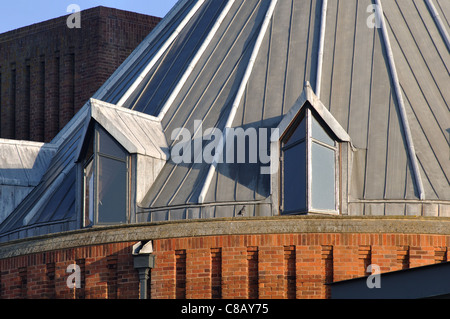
<point x="287" y="264"/>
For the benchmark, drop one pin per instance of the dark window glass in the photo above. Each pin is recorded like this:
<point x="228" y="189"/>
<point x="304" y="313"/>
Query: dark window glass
<point x="323" y="177"/>
<point x="294" y="178"/>
<point x="298" y="135"/>
<point x="90" y="150"/>
<point x="112" y="190"/>
<point x="108" y="145"/>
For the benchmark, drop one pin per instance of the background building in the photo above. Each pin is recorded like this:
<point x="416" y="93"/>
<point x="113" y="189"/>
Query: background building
<point x="48" y="71"/>
<point x="359" y="174"/>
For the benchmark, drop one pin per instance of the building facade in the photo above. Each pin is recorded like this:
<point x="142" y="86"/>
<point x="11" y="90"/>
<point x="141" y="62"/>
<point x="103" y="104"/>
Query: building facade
<point x="245" y="149"/>
<point x="48" y="70"/>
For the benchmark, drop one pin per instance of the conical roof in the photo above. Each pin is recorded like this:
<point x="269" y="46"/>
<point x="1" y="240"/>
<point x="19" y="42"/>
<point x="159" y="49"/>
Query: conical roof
<point x="381" y="70"/>
<point x="199" y="74"/>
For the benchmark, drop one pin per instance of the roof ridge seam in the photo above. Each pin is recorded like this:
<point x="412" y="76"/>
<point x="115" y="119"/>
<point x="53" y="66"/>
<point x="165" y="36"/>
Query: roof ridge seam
<point x="195" y="60"/>
<point x="402" y="109"/>
<point x="323" y="25"/>
<point x="437" y="19"/>
<point x="109" y="84"/>
<point x="240" y="93"/>
<point x="160" y="52"/>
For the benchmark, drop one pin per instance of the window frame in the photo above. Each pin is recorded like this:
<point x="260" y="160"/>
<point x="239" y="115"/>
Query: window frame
<point x="94" y="158"/>
<point x="88" y="216"/>
<point x="307" y="114"/>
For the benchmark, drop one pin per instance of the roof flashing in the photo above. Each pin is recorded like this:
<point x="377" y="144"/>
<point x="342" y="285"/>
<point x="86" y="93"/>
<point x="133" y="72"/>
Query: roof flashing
<point x="309" y="97"/>
<point x="137" y="132"/>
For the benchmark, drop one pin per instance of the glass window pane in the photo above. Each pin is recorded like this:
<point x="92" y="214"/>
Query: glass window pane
<point x="298" y="134"/>
<point x="294" y="179"/>
<point x="320" y="134"/>
<point x="112" y="191"/>
<point x="323" y="177"/>
<point x="109" y="146"/>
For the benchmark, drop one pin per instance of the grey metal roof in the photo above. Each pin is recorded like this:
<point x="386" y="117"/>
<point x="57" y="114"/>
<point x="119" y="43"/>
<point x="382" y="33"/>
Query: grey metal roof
<point x="22" y="165"/>
<point x="239" y="61"/>
<point x="50" y="206"/>
<point x="356" y="87"/>
<point x="113" y="90"/>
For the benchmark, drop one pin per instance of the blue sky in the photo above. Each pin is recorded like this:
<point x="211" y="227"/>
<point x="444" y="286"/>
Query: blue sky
<point x="19" y="13"/>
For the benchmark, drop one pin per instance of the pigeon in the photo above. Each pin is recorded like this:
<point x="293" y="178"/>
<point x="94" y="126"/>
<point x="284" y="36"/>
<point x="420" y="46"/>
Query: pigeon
<point x="242" y="212"/>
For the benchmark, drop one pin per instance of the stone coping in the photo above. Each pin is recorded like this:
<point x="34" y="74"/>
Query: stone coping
<point x="227" y="226"/>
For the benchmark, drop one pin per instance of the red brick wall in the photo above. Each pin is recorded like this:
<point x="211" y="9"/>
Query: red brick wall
<point x="48" y="71"/>
<point x="106" y="272"/>
<point x="233" y="266"/>
<point x="280" y="266"/>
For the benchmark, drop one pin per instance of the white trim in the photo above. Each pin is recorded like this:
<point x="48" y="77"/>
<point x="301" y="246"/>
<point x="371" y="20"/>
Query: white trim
<point x="308" y="119"/>
<point x="99" y="104"/>
<point x="195" y="60"/>
<point x="402" y="109"/>
<point x="437" y="19"/>
<point x="323" y="24"/>
<point x="160" y="52"/>
<point x="238" y="98"/>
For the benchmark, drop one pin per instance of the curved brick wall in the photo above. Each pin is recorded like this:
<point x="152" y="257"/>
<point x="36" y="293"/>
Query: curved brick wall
<point x="285" y="257"/>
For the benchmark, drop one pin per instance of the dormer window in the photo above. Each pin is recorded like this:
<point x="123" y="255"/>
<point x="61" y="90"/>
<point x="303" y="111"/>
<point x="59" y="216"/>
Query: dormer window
<point x="118" y="145"/>
<point x="106" y="180"/>
<point x="309" y="156"/>
<point x="310" y="178"/>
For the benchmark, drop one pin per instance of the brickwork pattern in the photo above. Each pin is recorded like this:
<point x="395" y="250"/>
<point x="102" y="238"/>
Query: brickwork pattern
<point x="263" y="266"/>
<point x="106" y="272"/>
<point x="283" y="266"/>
